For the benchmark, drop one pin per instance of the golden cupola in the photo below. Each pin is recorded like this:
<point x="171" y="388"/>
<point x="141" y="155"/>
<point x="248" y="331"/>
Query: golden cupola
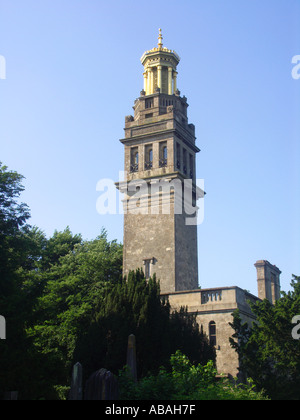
<point x="160" y="65"/>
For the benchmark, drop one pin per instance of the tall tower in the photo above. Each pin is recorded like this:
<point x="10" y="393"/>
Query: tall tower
<point x="268" y="281"/>
<point x="160" y="152"/>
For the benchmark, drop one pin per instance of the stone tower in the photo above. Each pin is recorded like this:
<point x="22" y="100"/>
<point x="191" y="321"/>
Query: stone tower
<point x="160" y="191"/>
<point x="268" y="281"/>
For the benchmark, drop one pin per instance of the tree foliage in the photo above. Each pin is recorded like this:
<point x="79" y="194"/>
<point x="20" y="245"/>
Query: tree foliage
<point x="14" y="250"/>
<point x="13" y="214"/>
<point x="73" y="286"/>
<point x="134" y="306"/>
<point x="185" y="381"/>
<point x="268" y="353"/>
<point x="64" y="300"/>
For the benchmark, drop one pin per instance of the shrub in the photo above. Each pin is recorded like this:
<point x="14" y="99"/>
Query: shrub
<point x="185" y="381"/>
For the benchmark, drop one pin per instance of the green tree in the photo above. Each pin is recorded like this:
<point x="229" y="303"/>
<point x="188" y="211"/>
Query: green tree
<point x="49" y="291"/>
<point x="15" y="252"/>
<point x="74" y="285"/>
<point x="59" y="245"/>
<point x="13" y="214"/>
<point x="64" y="300"/>
<point x="134" y="306"/>
<point x="268" y="353"/>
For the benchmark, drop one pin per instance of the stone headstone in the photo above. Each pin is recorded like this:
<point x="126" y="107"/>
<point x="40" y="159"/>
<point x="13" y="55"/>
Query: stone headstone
<point x="11" y="396"/>
<point x="131" y="356"/>
<point x="76" y="383"/>
<point x="2" y="328"/>
<point x="101" y="385"/>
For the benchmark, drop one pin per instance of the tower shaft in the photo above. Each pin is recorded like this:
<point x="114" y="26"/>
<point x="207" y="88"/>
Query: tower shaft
<point x="160" y="150"/>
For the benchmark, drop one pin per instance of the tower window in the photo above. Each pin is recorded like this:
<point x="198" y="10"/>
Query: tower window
<point x="134" y="166"/>
<point x="178" y="156"/>
<point x="148" y="263"/>
<point x="149" y="103"/>
<point x="191" y="167"/>
<point x="149" y="158"/>
<point x="165" y="152"/>
<point x="147" y="269"/>
<point x="184" y="162"/>
<point x="163" y="155"/>
<point x="212" y="333"/>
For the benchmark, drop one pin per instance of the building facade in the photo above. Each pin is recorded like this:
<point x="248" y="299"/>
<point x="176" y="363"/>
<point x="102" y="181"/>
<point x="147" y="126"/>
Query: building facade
<point x="160" y="196"/>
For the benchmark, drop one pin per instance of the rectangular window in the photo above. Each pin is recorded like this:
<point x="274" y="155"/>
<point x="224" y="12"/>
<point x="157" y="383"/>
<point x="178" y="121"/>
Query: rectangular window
<point x="148" y="263"/>
<point x="147" y="269"/>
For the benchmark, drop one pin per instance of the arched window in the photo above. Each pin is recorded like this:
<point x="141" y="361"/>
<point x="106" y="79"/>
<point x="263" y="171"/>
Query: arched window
<point x="148" y="157"/>
<point x="134" y="164"/>
<point x="212" y="333"/>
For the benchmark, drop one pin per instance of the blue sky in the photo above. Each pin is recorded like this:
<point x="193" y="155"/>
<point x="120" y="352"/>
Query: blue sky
<point x="73" y="72"/>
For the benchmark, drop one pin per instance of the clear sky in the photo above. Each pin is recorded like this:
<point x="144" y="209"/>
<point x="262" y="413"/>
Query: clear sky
<point x="73" y="72"/>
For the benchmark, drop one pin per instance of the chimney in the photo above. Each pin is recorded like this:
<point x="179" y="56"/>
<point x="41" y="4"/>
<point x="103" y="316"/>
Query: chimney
<point x="268" y="281"/>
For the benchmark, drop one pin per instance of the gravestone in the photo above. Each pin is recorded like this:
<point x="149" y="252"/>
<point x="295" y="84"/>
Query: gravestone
<point x="101" y="385"/>
<point x="2" y="328"/>
<point x="131" y="356"/>
<point x="11" y="396"/>
<point x="76" y="383"/>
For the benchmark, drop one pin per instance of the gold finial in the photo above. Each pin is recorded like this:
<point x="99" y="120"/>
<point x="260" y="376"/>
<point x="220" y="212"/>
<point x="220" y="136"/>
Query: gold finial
<point x="160" y="38"/>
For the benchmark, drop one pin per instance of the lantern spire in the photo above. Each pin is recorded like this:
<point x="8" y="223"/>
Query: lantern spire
<point x="160" y="38"/>
<point x="160" y="69"/>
